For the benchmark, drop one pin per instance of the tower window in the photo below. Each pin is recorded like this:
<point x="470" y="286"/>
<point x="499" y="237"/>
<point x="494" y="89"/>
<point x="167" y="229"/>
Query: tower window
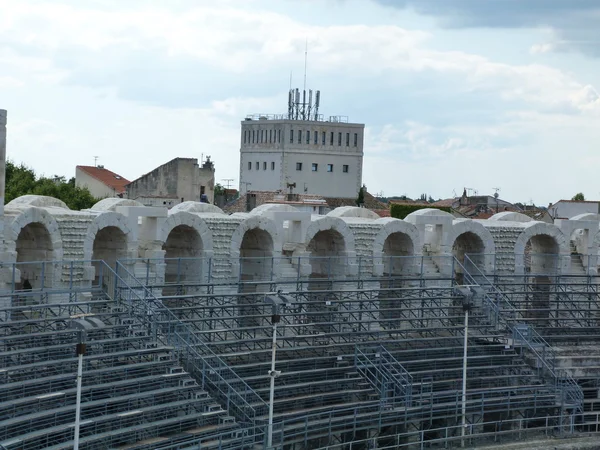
<point x="315" y="167"/>
<point x="307" y="137"/>
<point x="270" y="136"/>
<point x="331" y="139"/>
<point x="298" y="166"/>
<point x="244" y="136"/>
<point x="272" y="165"/>
<point x="347" y="139"/>
<point x="356" y="139"/>
<point x="324" y="137"/>
<point x="261" y="136"/>
<point x="264" y="165"/>
<point x="249" y="165"/>
<point x="329" y="167"/>
<point x="253" y="135"/>
<point x="299" y="136"/>
<point x="257" y="165"/>
<point x="345" y="168"/>
<point x="279" y="136"/>
<point x="339" y="139"/>
<point x="316" y="137"/>
<point x="291" y="136"/>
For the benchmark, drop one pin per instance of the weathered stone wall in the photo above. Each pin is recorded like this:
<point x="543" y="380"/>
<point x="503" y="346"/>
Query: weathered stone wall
<point x="41" y="228"/>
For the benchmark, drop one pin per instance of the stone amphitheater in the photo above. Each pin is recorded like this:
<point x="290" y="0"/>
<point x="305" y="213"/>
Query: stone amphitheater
<point x="40" y="229"/>
<point x="278" y="329"/>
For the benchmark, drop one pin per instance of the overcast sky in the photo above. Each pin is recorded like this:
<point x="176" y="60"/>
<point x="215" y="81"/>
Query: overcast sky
<point x="454" y="93"/>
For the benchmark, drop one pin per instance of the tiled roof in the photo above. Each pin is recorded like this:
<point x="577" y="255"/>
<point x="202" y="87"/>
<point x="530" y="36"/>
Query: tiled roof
<point x="448" y="202"/>
<point x="370" y="202"/>
<point x="262" y="197"/>
<point x="109" y="178"/>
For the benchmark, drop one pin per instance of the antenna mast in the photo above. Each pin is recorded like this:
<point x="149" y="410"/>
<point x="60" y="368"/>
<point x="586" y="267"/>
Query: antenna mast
<point x="305" y="60"/>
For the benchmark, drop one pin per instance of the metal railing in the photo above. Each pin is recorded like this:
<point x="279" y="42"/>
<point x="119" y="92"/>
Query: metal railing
<point x="523" y="334"/>
<point x="385" y="374"/>
<point x="210" y="370"/>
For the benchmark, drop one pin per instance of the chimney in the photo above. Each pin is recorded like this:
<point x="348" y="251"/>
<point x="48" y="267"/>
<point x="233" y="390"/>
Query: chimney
<point x="2" y="164"/>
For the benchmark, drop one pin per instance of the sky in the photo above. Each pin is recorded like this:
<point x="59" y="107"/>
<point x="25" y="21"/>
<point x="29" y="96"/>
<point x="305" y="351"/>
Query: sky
<point x="485" y="95"/>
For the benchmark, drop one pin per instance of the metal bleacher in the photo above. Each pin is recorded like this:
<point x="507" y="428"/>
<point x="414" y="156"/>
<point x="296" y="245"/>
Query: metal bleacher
<point x="135" y="394"/>
<point x="366" y="364"/>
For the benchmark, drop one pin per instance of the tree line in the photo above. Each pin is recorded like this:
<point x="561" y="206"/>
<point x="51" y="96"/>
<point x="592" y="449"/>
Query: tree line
<point x="22" y="180"/>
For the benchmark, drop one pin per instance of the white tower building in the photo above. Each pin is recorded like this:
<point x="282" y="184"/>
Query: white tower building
<point x="319" y="156"/>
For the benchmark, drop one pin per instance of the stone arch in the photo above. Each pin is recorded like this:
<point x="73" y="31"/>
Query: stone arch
<point x="540" y="249"/>
<point x="109" y="238"/>
<point x="258" y="241"/>
<point x="331" y="248"/>
<point x="272" y="207"/>
<point x="394" y="248"/>
<point x="395" y="239"/>
<point x="510" y="216"/>
<point x="188" y="245"/>
<point x="354" y="212"/>
<point x="472" y="238"/>
<point x="111" y="204"/>
<point x="196" y="208"/>
<point x="35" y="237"/>
<point x="41" y="201"/>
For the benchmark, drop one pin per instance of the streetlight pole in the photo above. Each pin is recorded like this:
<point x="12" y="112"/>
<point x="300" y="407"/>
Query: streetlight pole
<point x="80" y="350"/>
<point x="466" y="308"/>
<point x="467" y="296"/>
<point x="273" y="374"/>
<point x="277" y="300"/>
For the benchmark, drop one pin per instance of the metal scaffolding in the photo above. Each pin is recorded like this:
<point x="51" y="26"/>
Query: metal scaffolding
<point x="366" y="361"/>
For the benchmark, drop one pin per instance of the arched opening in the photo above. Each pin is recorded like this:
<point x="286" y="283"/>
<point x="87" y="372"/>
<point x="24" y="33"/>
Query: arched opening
<point x="541" y="263"/>
<point x="470" y="244"/>
<point x="110" y="245"/>
<point x="579" y="243"/>
<point x="256" y="264"/>
<point x="541" y="255"/>
<point x="34" y="246"/>
<point x="398" y="250"/>
<point x="256" y="251"/>
<point x="327" y="250"/>
<point x="183" y="248"/>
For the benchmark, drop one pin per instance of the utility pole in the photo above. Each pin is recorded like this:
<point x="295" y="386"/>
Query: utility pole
<point x="96" y="161"/>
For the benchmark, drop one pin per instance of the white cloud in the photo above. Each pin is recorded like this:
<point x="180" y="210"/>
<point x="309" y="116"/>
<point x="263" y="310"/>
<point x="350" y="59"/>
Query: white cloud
<point x="202" y="68"/>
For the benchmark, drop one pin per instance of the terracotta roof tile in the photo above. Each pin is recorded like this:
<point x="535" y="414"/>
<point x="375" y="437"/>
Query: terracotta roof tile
<point x="109" y="178"/>
<point x="448" y="202"/>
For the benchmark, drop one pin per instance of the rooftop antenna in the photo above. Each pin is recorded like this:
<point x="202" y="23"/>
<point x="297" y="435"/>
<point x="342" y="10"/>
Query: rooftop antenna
<point x="95" y="161"/>
<point x="305" y="60"/>
<point x="228" y="181"/>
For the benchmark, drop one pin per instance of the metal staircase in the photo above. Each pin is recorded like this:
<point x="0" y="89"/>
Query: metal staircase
<point x="211" y="372"/>
<point x="386" y="375"/>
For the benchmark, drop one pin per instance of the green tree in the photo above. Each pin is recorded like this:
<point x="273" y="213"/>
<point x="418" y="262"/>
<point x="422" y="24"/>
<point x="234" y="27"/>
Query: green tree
<point x="21" y="180"/>
<point x="360" y="200"/>
<point x="579" y="197"/>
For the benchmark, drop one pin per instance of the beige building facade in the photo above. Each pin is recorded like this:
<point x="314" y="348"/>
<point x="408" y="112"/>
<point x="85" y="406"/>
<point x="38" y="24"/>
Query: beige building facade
<point x="180" y="180"/>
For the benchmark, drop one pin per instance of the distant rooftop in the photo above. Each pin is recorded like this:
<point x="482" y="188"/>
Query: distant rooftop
<point x="109" y="178"/>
